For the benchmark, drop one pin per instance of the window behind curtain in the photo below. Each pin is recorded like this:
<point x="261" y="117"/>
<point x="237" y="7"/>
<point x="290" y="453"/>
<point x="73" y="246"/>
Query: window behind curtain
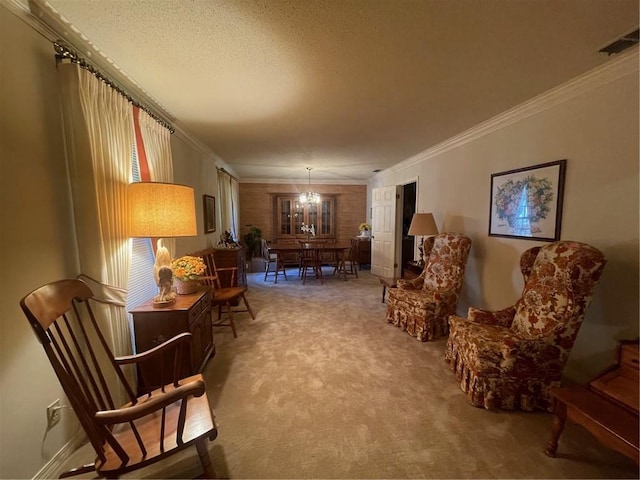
<point x="141" y="285"/>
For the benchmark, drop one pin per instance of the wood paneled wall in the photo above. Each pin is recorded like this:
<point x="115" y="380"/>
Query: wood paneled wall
<point x="258" y="200"/>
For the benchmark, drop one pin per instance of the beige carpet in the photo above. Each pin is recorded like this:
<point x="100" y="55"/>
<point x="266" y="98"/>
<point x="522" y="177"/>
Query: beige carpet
<point x="320" y="386"/>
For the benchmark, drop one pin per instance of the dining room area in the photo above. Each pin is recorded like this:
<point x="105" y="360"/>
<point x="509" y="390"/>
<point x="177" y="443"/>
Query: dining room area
<point x="310" y="260"/>
<point x="307" y="233"/>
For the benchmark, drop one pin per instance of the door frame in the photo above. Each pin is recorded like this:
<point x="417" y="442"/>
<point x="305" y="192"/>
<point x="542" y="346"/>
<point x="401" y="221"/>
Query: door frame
<point x="402" y="184"/>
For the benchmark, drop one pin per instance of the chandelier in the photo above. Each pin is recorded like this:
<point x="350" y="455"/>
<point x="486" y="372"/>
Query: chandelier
<point x="309" y="197"/>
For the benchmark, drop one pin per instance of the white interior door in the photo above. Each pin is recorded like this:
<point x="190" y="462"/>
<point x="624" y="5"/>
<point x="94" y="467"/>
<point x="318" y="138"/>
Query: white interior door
<point x="384" y="204"/>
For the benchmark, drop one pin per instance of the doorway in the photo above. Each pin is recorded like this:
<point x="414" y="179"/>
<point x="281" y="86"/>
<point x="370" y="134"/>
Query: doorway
<point x="408" y="209"/>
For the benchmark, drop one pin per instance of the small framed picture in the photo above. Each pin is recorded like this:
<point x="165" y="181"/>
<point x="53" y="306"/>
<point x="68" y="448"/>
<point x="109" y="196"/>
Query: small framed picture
<point x="527" y="202"/>
<point x="209" y="204"/>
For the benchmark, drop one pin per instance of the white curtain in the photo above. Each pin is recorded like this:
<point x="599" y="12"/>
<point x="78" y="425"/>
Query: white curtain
<point x="157" y="146"/>
<point x="229" y="196"/>
<point x="99" y="137"/>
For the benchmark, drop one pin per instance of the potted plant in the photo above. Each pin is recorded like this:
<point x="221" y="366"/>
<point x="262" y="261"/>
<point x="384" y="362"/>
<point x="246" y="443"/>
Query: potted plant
<point x="186" y="272"/>
<point x="253" y="241"/>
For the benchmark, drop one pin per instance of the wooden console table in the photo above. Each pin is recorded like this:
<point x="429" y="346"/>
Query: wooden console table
<point x="152" y="326"/>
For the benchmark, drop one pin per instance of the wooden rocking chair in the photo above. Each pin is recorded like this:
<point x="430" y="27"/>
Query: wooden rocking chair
<point x="144" y="430"/>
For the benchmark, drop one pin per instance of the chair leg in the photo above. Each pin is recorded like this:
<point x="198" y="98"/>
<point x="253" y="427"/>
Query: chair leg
<point x="205" y="461"/>
<point x="266" y="271"/>
<point x="78" y="471"/>
<point x="231" y="320"/>
<point x="246" y="304"/>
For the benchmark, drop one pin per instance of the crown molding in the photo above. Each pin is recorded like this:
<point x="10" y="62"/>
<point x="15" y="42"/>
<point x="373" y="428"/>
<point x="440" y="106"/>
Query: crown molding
<point x="301" y="181"/>
<point x="615" y="69"/>
<point x="48" y="22"/>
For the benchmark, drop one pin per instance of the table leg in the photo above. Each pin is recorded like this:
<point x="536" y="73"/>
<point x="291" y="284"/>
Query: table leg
<point x="556" y="428"/>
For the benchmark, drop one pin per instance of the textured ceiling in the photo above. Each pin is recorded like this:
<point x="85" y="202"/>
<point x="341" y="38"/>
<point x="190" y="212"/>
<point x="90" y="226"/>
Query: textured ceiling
<point x="343" y="86"/>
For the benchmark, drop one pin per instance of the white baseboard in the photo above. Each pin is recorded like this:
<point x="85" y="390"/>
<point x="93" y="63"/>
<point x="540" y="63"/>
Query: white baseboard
<point x="53" y="468"/>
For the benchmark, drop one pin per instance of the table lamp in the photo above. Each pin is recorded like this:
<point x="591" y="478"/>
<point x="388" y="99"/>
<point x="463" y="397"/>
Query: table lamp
<point x="158" y="210"/>
<point x="422" y="224"/>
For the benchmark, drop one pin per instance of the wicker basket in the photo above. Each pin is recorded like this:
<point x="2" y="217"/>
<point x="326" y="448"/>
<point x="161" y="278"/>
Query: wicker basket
<point x="185" y="287"/>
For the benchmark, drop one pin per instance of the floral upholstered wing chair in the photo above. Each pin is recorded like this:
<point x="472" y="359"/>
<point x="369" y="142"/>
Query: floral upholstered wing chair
<point x="511" y="358"/>
<point x="422" y="306"/>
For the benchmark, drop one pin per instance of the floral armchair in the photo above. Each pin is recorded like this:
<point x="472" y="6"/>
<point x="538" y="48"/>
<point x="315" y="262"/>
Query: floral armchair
<point x="511" y="358"/>
<point x="421" y="306"/>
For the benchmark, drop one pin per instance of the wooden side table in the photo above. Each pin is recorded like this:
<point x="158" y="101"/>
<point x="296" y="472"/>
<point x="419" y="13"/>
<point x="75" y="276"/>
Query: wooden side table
<point x="412" y="270"/>
<point x="387" y="282"/>
<point x="152" y="326"/>
<point x="615" y="426"/>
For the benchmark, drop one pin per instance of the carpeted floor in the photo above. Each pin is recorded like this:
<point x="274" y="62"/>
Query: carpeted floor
<point x="320" y="386"/>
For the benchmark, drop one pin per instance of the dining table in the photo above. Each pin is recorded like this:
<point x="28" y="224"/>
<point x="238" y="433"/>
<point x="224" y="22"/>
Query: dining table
<point x="338" y="251"/>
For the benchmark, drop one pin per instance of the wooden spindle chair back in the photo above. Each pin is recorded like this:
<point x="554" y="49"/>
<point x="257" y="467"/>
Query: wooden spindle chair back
<point x="224" y="297"/>
<point x="146" y="428"/>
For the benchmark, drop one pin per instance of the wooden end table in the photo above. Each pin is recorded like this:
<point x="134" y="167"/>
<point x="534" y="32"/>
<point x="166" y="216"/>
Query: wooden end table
<point x="388" y="282"/>
<point x="613" y="425"/>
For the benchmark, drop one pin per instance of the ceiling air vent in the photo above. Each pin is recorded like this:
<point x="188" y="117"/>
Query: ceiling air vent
<point x="625" y="41"/>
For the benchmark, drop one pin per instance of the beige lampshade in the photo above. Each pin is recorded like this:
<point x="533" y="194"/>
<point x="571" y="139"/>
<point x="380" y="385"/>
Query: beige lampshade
<point x="423" y="224"/>
<point x="161" y="210"/>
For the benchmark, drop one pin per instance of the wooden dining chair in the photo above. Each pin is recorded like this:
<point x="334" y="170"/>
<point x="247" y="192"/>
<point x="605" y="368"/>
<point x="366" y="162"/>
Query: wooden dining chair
<point x="227" y="297"/>
<point x="145" y="429"/>
<point x="348" y="264"/>
<point x="310" y="260"/>
<point x="272" y="259"/>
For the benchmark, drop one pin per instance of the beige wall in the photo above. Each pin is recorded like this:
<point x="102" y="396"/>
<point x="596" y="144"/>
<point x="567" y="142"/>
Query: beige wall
<point x="37" y="243"/>
<point x="257" y="204"/>
<point x="38" y="239"/>
<point x="197" y="169"/>
<point x="594" y="125"/>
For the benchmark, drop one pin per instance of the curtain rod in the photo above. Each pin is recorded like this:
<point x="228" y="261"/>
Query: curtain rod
<point x="64" y="52"/>
<point x="221" y="169"/>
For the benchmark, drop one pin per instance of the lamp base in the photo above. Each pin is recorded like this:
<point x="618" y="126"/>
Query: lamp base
<point x="162" y="303"/>
<point x="421" y="250"/>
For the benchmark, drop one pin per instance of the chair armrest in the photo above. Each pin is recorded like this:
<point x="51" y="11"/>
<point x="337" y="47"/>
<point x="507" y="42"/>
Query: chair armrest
<point x="156" y="402"/>
<point x="523" y="355"/>
<point x="413" y="284"/>
<point x="502" y="317"/>
<point x="173" y="342"/>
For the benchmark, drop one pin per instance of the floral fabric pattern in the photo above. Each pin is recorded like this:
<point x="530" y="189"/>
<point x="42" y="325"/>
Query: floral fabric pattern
<point x="511" y="358"/>
<point x="421" y="307"/>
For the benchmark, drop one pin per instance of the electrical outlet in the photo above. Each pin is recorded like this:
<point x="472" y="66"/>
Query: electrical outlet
<point x="53" y="413"/>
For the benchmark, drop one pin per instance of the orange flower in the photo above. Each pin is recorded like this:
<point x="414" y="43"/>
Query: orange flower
<point x="188" y="268"/>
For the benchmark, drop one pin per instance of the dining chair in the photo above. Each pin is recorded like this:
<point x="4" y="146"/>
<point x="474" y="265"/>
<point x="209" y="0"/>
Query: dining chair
<point x="225" y="298"/>
<point x="348" y="264"/>
<point x="271" y="258"/>
<point x="144" y="429"/>
<point x="310" y="260"/>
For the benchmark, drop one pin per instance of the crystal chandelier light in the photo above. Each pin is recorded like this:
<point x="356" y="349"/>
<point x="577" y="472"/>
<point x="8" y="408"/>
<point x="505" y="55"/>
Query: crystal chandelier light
<point x="309" y="197"/>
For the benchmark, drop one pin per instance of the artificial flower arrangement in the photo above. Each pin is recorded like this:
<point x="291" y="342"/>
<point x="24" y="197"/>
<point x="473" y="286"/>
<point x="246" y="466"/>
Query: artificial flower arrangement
<point x="188" y="268"/>
<point x="309" y="229"/>
<point x="364" y="226"/>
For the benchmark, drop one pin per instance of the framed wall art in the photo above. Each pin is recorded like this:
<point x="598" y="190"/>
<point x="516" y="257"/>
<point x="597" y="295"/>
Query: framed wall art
<point x="527" y="202"/>
<point x="209" y="209"/>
